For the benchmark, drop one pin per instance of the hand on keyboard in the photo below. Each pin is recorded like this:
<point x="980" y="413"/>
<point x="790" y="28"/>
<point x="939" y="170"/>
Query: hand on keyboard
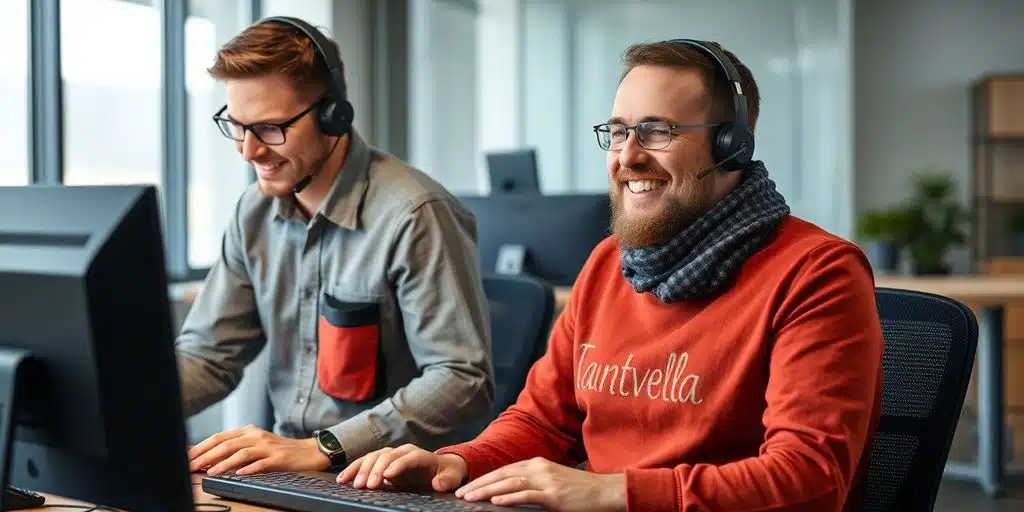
<point x="529" y="482"/>
<point x="406" y="467"/>
<point x="553" y="486"/>
<point x="251" y="450"/>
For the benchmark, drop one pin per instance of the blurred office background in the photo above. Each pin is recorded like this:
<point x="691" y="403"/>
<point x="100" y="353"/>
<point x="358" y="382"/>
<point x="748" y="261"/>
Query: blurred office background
<point x="857" y="97"/>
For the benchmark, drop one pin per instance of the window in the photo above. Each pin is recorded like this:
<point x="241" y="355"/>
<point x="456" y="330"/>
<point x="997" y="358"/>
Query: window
<point x="445" y="135"/>
<point x="217" y="173"/>
<point x="111" y="69"/>
<point x="317" y="12"/>
<point x="14" y="90"/>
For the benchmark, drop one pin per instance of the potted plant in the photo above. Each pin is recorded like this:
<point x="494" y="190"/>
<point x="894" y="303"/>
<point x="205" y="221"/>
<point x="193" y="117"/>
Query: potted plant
<point x="936" y="222"/>
<point x="1016" y="225"/>
<point x="884" y="232"/>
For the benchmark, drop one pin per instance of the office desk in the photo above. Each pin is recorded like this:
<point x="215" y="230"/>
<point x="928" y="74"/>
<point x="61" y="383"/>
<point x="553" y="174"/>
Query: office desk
<point x="199" y="497"/>
<point x="990" y="294"/>
<point x="561" y="298"/>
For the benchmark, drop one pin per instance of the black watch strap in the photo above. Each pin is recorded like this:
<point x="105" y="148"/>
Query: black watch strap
<point x="331" y="447"/>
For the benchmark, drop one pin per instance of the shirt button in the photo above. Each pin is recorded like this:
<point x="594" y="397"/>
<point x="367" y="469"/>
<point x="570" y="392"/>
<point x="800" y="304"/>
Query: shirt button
<point x="300" y="400"/>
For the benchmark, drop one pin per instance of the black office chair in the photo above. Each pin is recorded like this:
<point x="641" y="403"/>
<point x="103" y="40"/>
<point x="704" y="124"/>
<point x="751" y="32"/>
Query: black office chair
<point x="521" y="311"/>
<point x="930" y="342"/>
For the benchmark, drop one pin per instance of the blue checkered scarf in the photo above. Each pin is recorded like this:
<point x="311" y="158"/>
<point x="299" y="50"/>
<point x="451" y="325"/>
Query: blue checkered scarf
<point x="704" y="258"/>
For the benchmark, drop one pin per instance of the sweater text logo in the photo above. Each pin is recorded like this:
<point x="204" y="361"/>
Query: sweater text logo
<point x="671" y="384"/>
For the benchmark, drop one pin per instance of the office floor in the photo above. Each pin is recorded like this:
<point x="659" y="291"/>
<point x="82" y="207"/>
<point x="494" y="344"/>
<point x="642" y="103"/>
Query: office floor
<point x="957" y="496"/>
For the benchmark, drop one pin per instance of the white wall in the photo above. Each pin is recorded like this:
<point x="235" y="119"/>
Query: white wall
<point x="547" y="90"/>
<point x="443" y="120"/>
<point x="498" y="74"/>
<point x="914" y="63"/>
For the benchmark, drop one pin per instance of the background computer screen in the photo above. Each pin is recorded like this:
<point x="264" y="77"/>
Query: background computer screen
<point x="84" y="292"/>
<point x="558" y="232"/>
<point x="513" y="172"/>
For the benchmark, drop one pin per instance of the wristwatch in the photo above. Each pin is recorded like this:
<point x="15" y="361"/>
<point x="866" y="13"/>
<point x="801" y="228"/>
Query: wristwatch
<point x="329" y="445"/>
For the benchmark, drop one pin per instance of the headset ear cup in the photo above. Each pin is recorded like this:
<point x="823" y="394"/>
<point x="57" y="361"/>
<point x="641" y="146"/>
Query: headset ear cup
<point x="742" y="139"/>
<point x="730" y="139"/>
<point x="343" y="116"/>
<point x="721" y="143"/>
<point x="335" y="118"/>
<point x="325" y="115"/>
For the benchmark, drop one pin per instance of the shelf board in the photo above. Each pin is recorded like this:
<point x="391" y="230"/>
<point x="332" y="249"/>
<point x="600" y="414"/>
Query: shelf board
<point x="999" y="199"/>
<point x="982" y="140"/>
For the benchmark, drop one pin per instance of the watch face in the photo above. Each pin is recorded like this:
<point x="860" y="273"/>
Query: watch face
<point x="329" y="441"/>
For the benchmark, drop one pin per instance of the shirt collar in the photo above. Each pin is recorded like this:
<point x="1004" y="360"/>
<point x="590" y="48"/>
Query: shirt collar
<point x="343" y="201"/>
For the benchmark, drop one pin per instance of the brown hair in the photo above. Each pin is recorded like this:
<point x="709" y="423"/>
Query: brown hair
<point x="274" y="47"/>
<point x="669" y="54"/>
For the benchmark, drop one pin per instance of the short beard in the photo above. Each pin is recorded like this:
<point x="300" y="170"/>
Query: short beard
<point x="677" y="211"/>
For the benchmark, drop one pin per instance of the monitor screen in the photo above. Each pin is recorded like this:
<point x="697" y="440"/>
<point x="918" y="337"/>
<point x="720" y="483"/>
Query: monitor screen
<point x="513" y="172"/>
<point x="96" y="403"/>
<point x="554" y="234"/>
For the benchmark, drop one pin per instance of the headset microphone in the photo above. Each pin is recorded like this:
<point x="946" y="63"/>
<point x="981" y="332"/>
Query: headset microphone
<point x="737" y="153"/>
<point x="303" y="183"/>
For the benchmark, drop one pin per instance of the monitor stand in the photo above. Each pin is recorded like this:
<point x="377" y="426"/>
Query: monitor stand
<point x="13" y="370"/>
<point x="511" y="260"/>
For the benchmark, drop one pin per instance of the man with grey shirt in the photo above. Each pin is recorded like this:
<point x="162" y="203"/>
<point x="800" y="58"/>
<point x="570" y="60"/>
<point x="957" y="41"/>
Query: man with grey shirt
<point x="356" y="271"/>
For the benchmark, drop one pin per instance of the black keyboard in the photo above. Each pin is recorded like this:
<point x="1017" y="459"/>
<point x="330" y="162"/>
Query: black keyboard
<point x="315" y="492"/>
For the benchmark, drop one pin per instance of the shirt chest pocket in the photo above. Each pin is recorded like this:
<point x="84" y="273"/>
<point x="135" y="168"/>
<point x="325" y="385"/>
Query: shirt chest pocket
<point x="348" y="357"/>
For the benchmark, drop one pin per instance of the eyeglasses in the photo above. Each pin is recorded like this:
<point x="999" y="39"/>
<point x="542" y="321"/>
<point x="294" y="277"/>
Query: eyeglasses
<point x="271" y="134"/>
<point x="650" y="134"/>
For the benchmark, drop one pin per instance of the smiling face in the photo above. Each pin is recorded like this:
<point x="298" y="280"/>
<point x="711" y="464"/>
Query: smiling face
<point x="655" y="193"/>
<point x="273" y="99"/>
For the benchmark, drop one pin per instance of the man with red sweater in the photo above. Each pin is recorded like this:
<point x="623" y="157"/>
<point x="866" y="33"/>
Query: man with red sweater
<point x="716" y="352"/>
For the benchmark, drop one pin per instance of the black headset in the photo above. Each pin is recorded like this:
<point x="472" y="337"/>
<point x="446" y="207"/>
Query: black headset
<point x="732" y="143"/>
<point x="334" y="114"/>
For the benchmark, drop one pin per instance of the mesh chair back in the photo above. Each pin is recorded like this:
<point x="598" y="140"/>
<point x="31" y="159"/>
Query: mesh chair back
<point x="930" y="342"/>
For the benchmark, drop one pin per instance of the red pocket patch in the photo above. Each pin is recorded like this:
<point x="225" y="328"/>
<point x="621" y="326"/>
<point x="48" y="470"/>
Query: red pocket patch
<point x="348" y="337"/>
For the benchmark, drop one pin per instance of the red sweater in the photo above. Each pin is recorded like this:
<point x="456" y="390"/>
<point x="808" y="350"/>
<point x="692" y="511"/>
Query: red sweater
<point x="763" y="398"/>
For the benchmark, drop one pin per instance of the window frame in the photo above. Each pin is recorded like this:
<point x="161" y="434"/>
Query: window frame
<point x="46" y="119"/>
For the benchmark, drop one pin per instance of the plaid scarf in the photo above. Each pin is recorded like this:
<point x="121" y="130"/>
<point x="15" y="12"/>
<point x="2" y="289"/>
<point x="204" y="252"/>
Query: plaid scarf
<point x="704" y="258"/>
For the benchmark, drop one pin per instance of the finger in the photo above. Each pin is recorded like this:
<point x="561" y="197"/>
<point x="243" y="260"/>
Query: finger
<point x="238" y="459"/>
<point x="215" y="439"/>
<point x="350" y="471"/>
<point x="210" y="443"/>
<point x="505" y="486"/>
<point x="446" y="480"/>
<point x="364" y="469"/>
<point x="259" y="466"/>
<point x="527" y="497"/>
<point x="411" y="459"/>
<point x="510" y="471"/>
<point x="376" y="472"/>
<point x="222" y="451"/>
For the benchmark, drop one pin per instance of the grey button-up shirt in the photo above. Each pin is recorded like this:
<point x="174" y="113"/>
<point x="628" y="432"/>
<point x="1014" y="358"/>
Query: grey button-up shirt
<point x="373" y="310"/>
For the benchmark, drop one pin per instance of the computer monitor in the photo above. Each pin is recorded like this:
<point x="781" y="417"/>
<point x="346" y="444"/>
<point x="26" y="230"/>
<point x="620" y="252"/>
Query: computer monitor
<point x="548" y="237"/>
<point x="513" y="172"/>
<point x="87" y="362"/>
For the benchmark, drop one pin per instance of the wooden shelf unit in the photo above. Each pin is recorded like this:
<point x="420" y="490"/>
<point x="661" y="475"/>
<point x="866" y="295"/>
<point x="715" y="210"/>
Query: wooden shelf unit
<point x="997" y="180"/>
